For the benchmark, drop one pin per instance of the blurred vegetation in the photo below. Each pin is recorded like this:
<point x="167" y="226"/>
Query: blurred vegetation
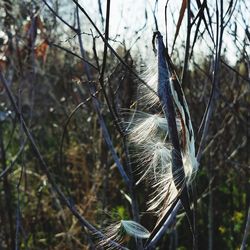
<point x="45" y="81"/>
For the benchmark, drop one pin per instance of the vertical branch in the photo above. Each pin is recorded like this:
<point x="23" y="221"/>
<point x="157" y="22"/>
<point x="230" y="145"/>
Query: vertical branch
<point x="100" y="11"/>
<point x="214" y="93"/>
<point x="106" y="135"/>
<point x="7" y="194"/>
<point x="154" y="15"/>
<point x="105" y="45"/>
<point x="246" y="232"/>
<point x="194" y="197"/>
<point x="18" y="222"/>
<point x="166" y="26"/>
<point x="96" y="104"/>
<point x="185" y="66"/>
<point x="117" y="121"/>
<point x="101" y="78"/>
<point x="210" y="209"/>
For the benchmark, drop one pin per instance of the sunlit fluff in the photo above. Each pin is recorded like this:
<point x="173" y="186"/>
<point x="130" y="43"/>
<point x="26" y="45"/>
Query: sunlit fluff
<point x="148" y="135"/>
<point x="116" y="231"/>
<point x="152" y="153"/>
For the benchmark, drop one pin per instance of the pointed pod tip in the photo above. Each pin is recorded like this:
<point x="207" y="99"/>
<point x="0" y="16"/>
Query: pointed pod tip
<point x="135" y="229"/>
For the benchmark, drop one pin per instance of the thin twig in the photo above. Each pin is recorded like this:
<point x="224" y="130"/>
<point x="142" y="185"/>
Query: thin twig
<point x="96" y="105"/>
<point x="59" y="17"/>
<point x="110" y="47"/>
<point x="101" y="78"/>
<point x="187" y="46"/>
<point x="211" y="104"/>
<point x="102" y="37"/>
<point x="246" y="232"/>
<point x="73" y="54"/>
<point x="11" y="165"/>
<point x="7" y="191"/>
<point x="117" y="122"/>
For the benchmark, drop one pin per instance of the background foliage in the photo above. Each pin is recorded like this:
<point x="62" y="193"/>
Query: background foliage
<point x="42" y="64"/>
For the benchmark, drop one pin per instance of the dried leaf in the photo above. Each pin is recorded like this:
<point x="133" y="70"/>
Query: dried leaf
<point x="41" y="51"/>
<point x="39" y="23"/>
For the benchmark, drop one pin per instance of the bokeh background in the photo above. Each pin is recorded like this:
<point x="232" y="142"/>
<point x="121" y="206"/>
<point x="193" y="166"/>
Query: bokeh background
<point x="41" y="60"/>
